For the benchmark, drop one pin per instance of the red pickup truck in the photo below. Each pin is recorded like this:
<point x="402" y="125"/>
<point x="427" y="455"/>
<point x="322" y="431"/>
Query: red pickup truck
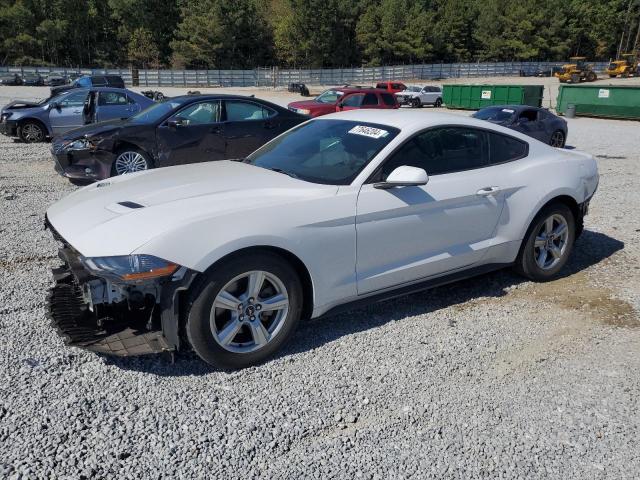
<point x="339" y="99"/>
<point x="392" y="87"/>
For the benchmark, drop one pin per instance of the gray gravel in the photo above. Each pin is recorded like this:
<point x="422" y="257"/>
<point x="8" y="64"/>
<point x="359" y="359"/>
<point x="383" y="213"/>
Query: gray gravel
<point x="489" y="378"/>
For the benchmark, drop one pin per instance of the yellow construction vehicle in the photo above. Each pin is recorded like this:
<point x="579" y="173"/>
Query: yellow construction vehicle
<point x="626" y="66"/>
<point x="577" y="71"/>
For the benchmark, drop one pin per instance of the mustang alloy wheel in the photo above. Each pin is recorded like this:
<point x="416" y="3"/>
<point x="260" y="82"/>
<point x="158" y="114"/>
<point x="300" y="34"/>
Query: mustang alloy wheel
<point x="557" y="139"/>
<point x="249" y="311"/>
<point x="130" y="161"/>
<point x="548" y="243"/>
<point x="243" y="309"/>
<point x="31" y="132"/>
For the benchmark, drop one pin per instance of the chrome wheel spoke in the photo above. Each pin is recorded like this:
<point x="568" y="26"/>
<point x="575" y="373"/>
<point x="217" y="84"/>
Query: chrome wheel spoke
<point x="277" y="302"/>
<point x="560" y="230"/>
<point x="556" y="252"/>
<point x="260" y="335"/>
<point x="548" y="226"/>
<point x="256" y="281"/>
<point x="227" y="301"/>
<point x="229" y="332"/>
<point x="542" y="258"/>
<point x="540" y="242"/>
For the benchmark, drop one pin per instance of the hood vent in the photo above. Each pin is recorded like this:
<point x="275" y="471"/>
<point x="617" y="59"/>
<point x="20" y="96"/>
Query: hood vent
<point x="123" y="207"/>
<point x="131" y="204"/>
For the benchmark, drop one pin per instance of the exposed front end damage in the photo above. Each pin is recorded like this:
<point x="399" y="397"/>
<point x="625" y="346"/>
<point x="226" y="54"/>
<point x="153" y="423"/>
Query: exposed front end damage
<point x="110" y="317"/>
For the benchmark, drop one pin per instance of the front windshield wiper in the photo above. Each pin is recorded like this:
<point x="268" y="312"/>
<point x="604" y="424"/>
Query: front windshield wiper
<point x="279" y="170"/>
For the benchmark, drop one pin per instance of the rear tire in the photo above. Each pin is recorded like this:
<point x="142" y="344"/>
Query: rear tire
<point x="31" y="132"/>
<point x="591" y="77"/>
<point x="438" y="103"/>
<point x="547" y="244"/>
<point x="229" y="325"/>
<point x="557" y="139"/>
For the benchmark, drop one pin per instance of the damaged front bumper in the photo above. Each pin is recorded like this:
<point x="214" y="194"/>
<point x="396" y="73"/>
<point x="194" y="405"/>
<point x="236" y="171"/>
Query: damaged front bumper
<point x="117" y="319"/>
<point x="85" y="165"/>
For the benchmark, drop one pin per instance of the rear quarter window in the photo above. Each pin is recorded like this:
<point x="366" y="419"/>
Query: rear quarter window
<point x="503" y="148"/>
<point x="388" y="99"/>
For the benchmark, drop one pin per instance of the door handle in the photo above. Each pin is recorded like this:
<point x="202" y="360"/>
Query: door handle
<point x="77" y="111"/>
<point x="488" y="191"/>
<point x="216" y="130"/>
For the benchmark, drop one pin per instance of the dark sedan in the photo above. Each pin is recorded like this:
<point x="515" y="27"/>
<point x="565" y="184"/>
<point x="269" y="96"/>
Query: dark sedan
<point x="536" y="122"/>
<point x="188" y="129"/>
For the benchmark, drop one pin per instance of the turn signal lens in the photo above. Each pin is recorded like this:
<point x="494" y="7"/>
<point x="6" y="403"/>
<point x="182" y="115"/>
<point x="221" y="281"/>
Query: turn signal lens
<point x="131" y="267"/>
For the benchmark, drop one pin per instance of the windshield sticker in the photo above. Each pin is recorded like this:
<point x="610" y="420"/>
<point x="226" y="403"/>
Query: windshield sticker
<point x="369" y="131"/>
<point x="508" y="110"/>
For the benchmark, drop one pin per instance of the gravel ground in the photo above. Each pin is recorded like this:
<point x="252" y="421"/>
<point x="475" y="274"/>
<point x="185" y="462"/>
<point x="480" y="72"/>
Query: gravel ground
<point x="489" y="378"/>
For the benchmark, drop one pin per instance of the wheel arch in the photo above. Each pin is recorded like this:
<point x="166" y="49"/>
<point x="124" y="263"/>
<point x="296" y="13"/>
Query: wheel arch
<point x="44" y="126"/>
<point x="288" y="256"/>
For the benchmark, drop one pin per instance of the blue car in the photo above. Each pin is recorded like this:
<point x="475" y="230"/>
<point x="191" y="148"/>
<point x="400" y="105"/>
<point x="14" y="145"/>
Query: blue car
<point x="37" y="121"/>
<point x="536" y="122"/>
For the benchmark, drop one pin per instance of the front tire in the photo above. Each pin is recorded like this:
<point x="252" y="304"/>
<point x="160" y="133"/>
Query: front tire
<point x="416" y="103"/>
<point x="547" y="244"/>
<point x="244" y="310"/>
<point x="130" y="160"/>
<point x="31" y="132"/>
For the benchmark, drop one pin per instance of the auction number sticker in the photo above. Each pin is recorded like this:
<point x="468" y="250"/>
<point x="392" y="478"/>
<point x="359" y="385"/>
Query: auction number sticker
<point x="370" y="132"/>
<point x="486" y="94"/>
<point x="603" y="93"/>
<point x="508" y="110"/>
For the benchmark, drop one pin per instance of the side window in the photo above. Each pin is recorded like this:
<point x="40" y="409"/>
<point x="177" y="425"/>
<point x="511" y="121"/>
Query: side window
<point x="388" y="99"/>
<point x="353" y="100"/>
<point x="383" y="86"/>
<point x="76" y="99"/>
<point x="199" y="113"/>
<point x="528" y="116"/>
<point x="442" y="150"/>
<point x="503" y="148"/>
<point x="395" y="86"/>
<point x="370" y="99"/>
<point x="238" y="111"/>
<point x="111" y="99"/>
<point x="99" y="81"/>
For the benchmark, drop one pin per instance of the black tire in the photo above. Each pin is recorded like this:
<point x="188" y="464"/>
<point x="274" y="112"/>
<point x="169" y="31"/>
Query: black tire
<point x="131" y="150"/>
<point x="32" y="132"/>
<point x="438" y="103"/>
<point x="201" y="299"/>
<point x="526" y="264"/>
<point x="557" y="139"/>
<point x="591" y="77"/>
<point x="416" y="103"/>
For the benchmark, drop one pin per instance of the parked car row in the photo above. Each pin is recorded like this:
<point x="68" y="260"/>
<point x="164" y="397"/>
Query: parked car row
<point x="225" y="258"/>
<point x="36" y="79"/>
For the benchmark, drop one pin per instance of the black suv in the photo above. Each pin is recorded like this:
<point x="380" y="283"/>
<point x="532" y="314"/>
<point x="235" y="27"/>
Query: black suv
<point x="88" y="81"/>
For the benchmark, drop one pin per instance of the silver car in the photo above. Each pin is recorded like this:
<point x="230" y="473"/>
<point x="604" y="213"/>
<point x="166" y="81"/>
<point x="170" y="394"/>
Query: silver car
<point x="36" y="121"/>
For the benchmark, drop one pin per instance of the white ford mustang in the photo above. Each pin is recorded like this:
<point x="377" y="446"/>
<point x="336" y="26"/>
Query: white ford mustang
<point x="226" y="257"/>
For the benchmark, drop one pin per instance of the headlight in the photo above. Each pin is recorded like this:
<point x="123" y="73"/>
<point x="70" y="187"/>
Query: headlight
<point x="304" y="111"/>
<point x="6" y="115"/>
<point x="81" y="144"/>
<point x="131" y="268"/>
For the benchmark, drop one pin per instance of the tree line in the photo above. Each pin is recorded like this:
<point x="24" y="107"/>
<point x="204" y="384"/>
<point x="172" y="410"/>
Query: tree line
<point x="310" y="33"/>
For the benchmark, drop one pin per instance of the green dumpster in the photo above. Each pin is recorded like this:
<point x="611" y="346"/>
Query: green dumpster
<point x="475" y="97"/>
<point x="619" y="101"/>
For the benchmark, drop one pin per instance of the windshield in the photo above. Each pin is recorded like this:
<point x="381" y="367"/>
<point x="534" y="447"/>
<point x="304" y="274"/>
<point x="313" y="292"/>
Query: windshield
<point x="413" y="89"/>
<point x="330" y="152"/>
<point x="494" y="114"/>
<point x="329" y="96"/>
<point x="156" y="112"/>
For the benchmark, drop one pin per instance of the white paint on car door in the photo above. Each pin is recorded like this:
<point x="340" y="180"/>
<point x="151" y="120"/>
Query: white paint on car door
<point x="406" y="234"/>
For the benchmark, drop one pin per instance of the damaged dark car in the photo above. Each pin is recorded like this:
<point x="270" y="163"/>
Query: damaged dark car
<point x="182" y="130"/>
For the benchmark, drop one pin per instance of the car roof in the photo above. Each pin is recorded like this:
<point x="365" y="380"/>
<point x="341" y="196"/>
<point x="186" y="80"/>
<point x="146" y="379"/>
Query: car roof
<point x="517" y="108"/>
<point x="404" y="119"/>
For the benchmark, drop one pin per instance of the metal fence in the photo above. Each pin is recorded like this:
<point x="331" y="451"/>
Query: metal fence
<point x="276" y="77"/>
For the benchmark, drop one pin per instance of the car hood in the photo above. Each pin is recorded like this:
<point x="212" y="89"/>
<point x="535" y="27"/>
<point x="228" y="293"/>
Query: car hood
<point x="93" y="130"/>
<point x="310" y="104"/>
<point x="121" y="214"/>
<point x="21" y="104"/>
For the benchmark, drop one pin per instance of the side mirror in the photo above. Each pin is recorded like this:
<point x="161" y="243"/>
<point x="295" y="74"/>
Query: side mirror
<point x="340" y="105"/>
<point x="404" y="176"/>
<point x="55" y="105"/>
<point x="173" y="123"/>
